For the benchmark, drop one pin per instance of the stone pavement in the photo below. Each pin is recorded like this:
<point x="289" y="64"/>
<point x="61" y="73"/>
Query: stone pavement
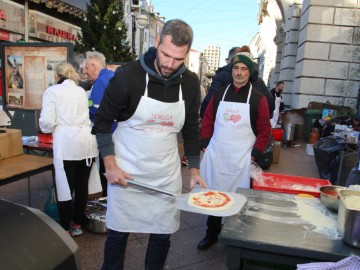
<point x="183" y="254"/>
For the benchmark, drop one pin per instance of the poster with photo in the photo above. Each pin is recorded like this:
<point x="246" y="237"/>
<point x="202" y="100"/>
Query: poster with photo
<point x="28" y="69"/>
<point x="15" y="81"/>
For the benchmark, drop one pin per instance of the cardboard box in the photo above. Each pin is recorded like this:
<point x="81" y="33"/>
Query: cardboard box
<point x="310" y="149"/>
<point x="10" y="143"/>
<point x="276" y="152"/>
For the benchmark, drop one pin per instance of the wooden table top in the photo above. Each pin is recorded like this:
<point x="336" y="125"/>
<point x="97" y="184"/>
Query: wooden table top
<point x="13" y="166"/>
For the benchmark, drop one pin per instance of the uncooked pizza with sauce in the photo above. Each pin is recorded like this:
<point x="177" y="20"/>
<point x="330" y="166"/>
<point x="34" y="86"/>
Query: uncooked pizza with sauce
<point x="211" y="200"/>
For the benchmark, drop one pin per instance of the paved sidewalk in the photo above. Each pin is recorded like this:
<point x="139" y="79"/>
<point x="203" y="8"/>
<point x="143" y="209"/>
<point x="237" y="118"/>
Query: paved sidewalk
<point x="183" y="251"/>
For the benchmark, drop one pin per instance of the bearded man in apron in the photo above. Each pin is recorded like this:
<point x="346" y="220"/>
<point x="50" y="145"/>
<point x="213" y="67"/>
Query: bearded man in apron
<point x="152" y="100"/>
<point x="235" y="130"/>
<point x="279" y="105"/>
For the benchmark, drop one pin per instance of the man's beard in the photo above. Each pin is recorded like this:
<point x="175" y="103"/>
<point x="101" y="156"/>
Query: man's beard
<point x="160" y="69"/>
<point x="240" y="80"/>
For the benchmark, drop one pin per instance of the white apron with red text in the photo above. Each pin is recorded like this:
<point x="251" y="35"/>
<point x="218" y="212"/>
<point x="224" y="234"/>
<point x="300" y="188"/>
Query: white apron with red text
<point x="226" y="162"/>
<point x="146" y="148"/>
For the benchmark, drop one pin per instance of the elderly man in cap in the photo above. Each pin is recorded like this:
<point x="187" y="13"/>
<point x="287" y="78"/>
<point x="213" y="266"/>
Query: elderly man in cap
<point x="235" y="130"/>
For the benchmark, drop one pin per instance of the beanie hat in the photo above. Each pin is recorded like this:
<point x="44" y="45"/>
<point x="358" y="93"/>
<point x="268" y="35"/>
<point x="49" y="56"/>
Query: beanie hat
<point x="244" y="58"/>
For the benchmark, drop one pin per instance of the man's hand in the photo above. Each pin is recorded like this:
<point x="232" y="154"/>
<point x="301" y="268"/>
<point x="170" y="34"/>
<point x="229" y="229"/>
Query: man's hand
<point x="195" y="178"/>
<point x="114" y="174"/>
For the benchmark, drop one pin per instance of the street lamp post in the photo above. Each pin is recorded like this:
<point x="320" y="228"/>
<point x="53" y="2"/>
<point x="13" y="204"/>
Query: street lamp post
<point x="133" y="34"/>
<point x="141" y="21"/>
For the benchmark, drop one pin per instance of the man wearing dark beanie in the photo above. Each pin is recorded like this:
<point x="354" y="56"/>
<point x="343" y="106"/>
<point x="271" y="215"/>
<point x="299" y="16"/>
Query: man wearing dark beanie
<point x="223" y="78"/>
<point x="235" y="130"/>
<point x="244" y="58"/>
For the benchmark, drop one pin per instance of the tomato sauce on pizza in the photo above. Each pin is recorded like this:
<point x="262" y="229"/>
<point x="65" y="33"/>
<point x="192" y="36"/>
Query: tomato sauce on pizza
<point x="211" y="200"/>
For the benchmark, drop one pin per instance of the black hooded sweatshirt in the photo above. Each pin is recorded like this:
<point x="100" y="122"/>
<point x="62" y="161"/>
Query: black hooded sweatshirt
<point x="125" y="90"/>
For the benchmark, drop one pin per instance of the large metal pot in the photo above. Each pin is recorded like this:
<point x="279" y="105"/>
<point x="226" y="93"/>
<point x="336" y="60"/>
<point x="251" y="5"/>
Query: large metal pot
<point x="289" y="132"/>
<point x="348" y="219"/>
<point x="95" y="213"/>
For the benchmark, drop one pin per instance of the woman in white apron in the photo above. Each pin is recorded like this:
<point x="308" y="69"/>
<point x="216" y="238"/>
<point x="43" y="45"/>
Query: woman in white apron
<point x="65" y="114"/>
<point x="226" y="162"/>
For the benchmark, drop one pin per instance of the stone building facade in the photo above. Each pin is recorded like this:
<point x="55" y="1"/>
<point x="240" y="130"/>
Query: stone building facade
<point x="312" y="45"/>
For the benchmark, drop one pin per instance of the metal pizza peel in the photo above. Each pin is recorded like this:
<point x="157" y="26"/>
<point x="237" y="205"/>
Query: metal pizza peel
<point x="181" y="200"/>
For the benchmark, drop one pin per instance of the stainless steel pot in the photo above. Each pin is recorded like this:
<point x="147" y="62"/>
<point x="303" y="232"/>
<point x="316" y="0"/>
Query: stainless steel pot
<point x="95" y="213"/>
<point x="289" y="132"/>
<point x="348" y="219"/>
<point x="329" y="196"/>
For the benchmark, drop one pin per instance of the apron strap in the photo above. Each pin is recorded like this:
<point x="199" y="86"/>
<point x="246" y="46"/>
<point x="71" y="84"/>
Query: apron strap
<point x="180" y="91"/>
<point x="225" y="92"/>
<point x="88" y="162"/>
<point x="146" y="85"/>
<point x="248" y="98"/>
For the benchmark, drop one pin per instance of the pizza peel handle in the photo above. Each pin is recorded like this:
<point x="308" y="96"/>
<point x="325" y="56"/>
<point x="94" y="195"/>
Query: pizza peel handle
<point x="146" y="186"/>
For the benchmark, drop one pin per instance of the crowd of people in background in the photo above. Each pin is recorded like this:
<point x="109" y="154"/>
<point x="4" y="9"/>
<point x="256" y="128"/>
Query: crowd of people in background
<point x="110" y="128"/>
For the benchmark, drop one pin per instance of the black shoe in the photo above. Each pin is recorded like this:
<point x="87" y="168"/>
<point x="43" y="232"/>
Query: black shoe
<point x="207" y="242"/>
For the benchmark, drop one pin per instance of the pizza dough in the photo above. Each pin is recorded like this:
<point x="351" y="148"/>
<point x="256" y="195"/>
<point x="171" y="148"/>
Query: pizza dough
<point x="352" y="201"/>
<point x="211" y="200"/>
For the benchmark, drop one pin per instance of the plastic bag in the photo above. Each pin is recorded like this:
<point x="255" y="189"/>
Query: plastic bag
<point x="51" y="205"/>
<point x="256" y="172"/>
<point x="327" y="158"/>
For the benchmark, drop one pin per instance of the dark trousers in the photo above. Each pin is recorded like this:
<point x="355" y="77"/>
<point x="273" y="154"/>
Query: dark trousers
<point x="103" y="178"/>
<point x="77" y="173"/>
<point x="115" y="247"/>
<point x="213" y="226"/>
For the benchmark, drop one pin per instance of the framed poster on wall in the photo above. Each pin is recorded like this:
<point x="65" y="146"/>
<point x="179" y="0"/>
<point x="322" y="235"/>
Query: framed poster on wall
<point x="27" y="70"/>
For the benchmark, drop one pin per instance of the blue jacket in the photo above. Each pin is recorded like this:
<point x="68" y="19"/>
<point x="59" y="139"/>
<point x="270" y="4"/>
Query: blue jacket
<point x="97" y="92"/>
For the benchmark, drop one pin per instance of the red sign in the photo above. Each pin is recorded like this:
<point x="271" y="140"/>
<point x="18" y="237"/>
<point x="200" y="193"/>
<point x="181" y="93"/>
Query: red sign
<point x="2" y="15"/>
<point x="4" y="35"/>
<point x="60" y="33"/>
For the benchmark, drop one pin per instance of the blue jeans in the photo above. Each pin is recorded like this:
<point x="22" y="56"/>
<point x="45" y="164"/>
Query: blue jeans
<point x="115" y="246"/>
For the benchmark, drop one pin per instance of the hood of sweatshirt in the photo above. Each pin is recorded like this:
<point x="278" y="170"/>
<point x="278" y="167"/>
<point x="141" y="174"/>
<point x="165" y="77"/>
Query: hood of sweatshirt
<point x="147" y="62"/>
